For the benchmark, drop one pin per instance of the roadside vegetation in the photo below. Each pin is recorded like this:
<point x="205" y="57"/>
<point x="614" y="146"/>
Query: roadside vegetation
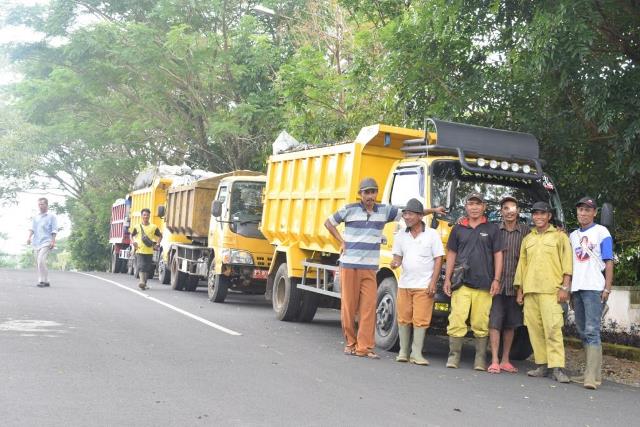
<point x="116" y="86"/>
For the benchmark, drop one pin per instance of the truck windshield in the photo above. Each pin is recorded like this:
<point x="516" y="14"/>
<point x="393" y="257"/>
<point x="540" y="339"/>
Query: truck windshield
<point x="246" y="208"/>
<point x="450" y="184"/>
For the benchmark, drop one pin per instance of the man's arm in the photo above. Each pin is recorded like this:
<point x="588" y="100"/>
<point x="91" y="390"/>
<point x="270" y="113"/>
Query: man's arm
<point x="335" y="233"/>
<point x="437" y="266"/>
<point x="30" y="236"/>
<point x="497" y="273"/>
<point x="53" y="240"/>
<point x="451" y="261"/>
<point x="440" y="210"/>
<point x="608" y="280"/>
<point x="520" y="273"/>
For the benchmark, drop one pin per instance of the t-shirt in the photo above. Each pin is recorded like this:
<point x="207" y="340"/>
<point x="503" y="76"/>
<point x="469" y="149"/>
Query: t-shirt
<point x="418" y="255"/>
<point x="475" y="247"/>
<point x="43" y="226"/>
<point x="151" y="231"/>
<point x="363" y="233"/>
<point x="591" y="247"/>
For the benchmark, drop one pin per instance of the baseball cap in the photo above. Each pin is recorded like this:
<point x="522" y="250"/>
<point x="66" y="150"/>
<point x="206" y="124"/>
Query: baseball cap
<point x="475" y="196"/>
<point x="368" y="184"/>
<point x="541" y="206"/>
<point x="508" y="199"/>
<point x="414" y="205"/>
<point x="587" y="201"/>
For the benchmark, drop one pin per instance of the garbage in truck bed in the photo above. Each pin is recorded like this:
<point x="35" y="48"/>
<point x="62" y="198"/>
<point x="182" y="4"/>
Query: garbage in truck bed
<point x="182" y="175"/>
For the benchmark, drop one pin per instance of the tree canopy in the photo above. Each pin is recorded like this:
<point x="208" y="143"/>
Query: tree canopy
<point x="210" y="83"/>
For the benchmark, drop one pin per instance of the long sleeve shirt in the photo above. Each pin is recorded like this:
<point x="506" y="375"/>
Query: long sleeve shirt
<point x="544" y="259"/>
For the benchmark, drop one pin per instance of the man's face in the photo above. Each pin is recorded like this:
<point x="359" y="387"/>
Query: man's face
<point x="145" y="217"/>
<point x="43" y="206"/>
<point x="510" y="211"/>
<point x="586" y="215"/>
<point x="369" y="196"/>
<point x="541" y="218"/>
<point x="411" y="218"/>
<point x="475" y="208"/>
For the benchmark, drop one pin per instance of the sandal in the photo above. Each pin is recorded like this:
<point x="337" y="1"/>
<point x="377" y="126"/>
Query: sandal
<point x="349" y="351"/>
<point x="369" y="355"/>
<point x="494" y="368"/>
<point x="508" y="367"/>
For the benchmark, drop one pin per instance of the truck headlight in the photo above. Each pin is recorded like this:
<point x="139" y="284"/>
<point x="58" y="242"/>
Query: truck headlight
<point x="234" y="256"/>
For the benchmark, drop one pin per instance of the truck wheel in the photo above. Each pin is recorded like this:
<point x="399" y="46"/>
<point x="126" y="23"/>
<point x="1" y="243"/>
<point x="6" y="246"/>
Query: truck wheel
<point x="178" y="278"/>
<point x="122" y="266"/>
<point x="308" y="306"/>
<point x="521" y="347"/>
<point x="164" y="274"/>
<point x="217" y="286"/>
<point x="287" y="297"/>
<point x="386" y="316"/>
<point x="192" y="283"/>
<point x="115" y="265"/>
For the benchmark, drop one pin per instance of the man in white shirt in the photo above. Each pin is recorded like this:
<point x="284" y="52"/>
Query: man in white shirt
<point x="592" y="256"/>
<point x="419" y="251"/>
<point x="42" y="234"/>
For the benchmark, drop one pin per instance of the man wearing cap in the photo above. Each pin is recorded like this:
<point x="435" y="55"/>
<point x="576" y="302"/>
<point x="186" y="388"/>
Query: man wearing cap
<point x="506" y="314"/>
<point x="359" y="261"/>
<point x="592" y="256"/>
<point x="472" y="278"/>
<point x="542" y="282"/>
<point x="419" y="251"/>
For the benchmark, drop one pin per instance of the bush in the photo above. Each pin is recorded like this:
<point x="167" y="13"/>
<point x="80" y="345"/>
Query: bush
<point x="611" y="333"/>
<point x="627" y="267"/>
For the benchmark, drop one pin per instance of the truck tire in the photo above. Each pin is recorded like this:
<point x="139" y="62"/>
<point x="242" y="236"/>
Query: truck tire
<point x="115" y="262"/>
<point x="286" y="299"/>
<point x="122" y="266"/>
<point x="521" y="347"/>
<point x="386" y="315"/>
<point x="217" y="286"/>
<point x="164" y="273"/>
<point x="192" y="283"/>
<point x="308" y="306"/>
<point x="178" y="278"/>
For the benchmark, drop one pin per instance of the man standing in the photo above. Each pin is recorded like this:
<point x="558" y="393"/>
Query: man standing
<point x="144" y="242"/>
<point x="359" y="260"/>
<point x="42" y="234"/>
<point x="506" y="314"/>
<point x="474" y="252"/>
<point x="542" y="282"/>
<point x="419" y="250"/>
<point x="592" y="255"/>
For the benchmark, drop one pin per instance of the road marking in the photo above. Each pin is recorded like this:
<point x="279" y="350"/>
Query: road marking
<point x="172" y="307"/>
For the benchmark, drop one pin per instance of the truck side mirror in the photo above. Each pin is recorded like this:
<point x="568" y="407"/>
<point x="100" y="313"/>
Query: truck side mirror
<point x="161" y="211"/>
<point x="216" y="208"/>
<point x="606" y="215"/>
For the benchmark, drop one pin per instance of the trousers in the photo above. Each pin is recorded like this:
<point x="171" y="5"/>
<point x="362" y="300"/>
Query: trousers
<point x="41" y="255"/>
<point x="415" y="307"/>
<point x="473" y="304"/>
<point x="543" y="318"/>
<point x="358" y="299"/>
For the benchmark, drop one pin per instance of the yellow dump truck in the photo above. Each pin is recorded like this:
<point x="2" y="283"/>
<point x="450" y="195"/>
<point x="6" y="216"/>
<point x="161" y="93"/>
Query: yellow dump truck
<point x="220" y="216"/>
<point x="151" y="197"/>
<point x="439" y="167"/>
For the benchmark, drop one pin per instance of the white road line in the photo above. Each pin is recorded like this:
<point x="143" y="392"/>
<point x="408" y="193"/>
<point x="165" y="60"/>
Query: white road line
<point x="174" y="308"/>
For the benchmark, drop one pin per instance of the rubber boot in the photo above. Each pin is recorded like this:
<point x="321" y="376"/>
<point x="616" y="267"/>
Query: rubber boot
<point x="416" y="348"/>
<point x="480" y="362"/>
<point x="455" y="351"/>
<point x="405" y="337"/>
<point x="593" y="367"/>
<point x="580" y="378"/>
<point x="143" y="280"/>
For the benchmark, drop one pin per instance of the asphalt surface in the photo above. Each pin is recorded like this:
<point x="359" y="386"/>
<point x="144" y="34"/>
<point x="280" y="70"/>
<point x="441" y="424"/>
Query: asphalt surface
<point x="92" y="350"/>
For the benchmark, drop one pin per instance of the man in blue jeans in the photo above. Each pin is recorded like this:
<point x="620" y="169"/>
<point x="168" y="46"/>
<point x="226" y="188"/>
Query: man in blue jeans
<point x="592" y="256"/>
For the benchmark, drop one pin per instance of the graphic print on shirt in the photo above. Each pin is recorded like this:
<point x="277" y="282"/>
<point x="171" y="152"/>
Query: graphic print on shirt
<point x="582" y="250"/>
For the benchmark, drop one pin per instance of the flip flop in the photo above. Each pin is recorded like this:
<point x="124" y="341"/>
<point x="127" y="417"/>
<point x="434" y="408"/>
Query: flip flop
<point x="508" y="367"/>
<point x="349" y="351"/>
<point x="369" y="355"/>
<point x="494" y="368"/>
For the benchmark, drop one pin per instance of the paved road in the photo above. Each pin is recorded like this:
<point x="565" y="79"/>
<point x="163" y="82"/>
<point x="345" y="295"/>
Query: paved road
<point x="92" y="350"/>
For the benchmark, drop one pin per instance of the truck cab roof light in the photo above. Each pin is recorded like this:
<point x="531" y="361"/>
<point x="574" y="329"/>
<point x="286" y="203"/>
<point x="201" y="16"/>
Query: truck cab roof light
<point x="504" y="166"/>
<point x="481" y="162"/>
<point x="493" y="164"/>
<point x="515" y="167"/>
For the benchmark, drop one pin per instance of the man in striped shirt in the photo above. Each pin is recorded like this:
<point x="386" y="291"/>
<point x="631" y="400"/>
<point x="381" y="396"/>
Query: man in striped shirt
<point x="506" y="314"/>
<point x="359" y="262"/>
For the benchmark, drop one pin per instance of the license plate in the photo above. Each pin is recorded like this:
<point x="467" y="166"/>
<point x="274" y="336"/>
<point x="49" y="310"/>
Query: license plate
<point x="260" y="274"/>
<point x="442" y="306"/>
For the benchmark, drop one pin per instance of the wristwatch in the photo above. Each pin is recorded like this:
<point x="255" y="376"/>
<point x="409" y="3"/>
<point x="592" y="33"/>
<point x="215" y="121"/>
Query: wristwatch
<point x="565" y="288"/>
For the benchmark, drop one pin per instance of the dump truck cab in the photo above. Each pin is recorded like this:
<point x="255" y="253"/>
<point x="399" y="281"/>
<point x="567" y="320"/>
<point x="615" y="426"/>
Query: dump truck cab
<point x="240" y="253"/>
<point x="439" y="166"/>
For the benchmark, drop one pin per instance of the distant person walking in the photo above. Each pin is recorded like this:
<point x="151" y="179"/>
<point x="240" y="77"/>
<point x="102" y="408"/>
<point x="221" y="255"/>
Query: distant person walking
<point x="42" y="236"/>
<point x="144" y="242"/>
<point x="590" y="288"/>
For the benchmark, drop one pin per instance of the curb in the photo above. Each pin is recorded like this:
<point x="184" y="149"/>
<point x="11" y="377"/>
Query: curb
<point x="617" y="350"/>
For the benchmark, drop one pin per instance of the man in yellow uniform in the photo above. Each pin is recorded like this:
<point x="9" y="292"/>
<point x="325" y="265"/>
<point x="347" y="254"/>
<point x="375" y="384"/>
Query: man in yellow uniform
<point x="542" y="280"/>
<point x="144" y="242"/>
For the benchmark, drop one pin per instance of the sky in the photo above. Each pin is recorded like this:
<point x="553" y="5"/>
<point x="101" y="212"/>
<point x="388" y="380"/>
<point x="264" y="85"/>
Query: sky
<point x="15" y="217"/>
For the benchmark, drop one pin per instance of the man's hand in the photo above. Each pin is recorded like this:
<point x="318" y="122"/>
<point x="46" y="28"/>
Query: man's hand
<point x="604" y="296"/>
<point x="440" y="210"/>
<point x="495" y="288"/>
<point x="52" y="244"/>
<point x="447" y="287"/>
<point x="135" y="245"/>
<point x="563" y="296"/>
<point x="29" y="241"/>
<point x="520" y="296"/>
<point x="432" y="289"/>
